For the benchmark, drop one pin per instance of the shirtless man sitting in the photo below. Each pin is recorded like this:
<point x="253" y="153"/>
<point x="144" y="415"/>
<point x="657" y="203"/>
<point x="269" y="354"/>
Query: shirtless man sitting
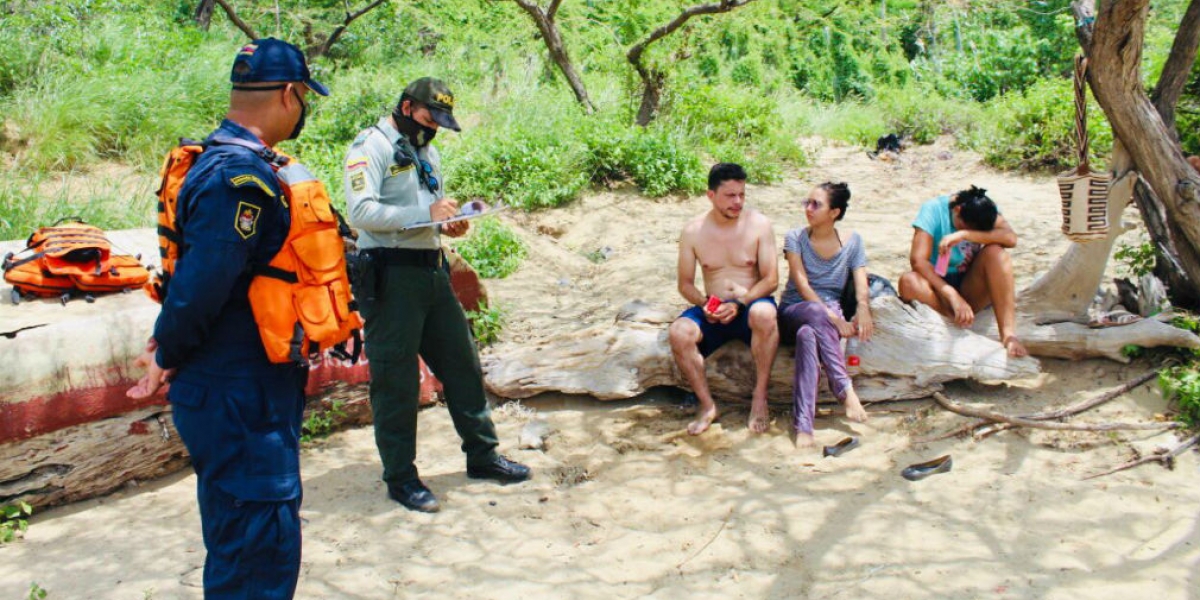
<point x="735" y="247"/>
<point x="972" y="239"/>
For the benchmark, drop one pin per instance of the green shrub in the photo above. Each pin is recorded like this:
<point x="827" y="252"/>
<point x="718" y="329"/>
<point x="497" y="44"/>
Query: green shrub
<point x="1136" y="260"/>
<point x="486" y="324"/>
<point x="14" y="521"/>
<point x="922" y="115"/>
<point x="321" y="422"/>
<point x="492" y="248"/>
<point x="1034" y="129"/>
<point x="1182" y="384"/>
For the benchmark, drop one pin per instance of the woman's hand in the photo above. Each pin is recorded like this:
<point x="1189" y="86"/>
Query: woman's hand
<point x="948" y="242"/>
<point x="845" y="329"/>
<point x="866" y="325"/>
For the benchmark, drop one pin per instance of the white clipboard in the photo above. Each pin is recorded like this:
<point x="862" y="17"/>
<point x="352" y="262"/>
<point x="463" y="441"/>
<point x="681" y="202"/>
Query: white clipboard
<point x="470" y="210"/>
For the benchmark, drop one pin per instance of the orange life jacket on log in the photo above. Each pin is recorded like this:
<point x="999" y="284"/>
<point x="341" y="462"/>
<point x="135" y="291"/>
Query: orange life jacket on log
<point x="71" y="256"/>
<point x="301" y="299"/>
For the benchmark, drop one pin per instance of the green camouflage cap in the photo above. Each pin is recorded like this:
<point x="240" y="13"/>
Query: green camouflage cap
<point x="435" y="95"/>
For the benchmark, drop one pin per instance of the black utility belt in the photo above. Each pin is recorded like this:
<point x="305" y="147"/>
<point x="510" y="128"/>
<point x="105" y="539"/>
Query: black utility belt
<point x="405" y="257"/>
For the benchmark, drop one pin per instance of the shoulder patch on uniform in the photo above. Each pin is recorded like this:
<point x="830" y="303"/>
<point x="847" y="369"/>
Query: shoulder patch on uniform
<point x="356" y="162"/>
<point x="361" y="137"/>
<point x="238" y="181"/>
<point x="246" y="222"/>
<point x="358" y="181"/>
<point x="397" y="169"/>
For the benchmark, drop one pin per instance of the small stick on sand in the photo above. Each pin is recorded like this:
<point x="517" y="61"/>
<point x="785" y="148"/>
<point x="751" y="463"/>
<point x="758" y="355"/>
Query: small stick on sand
<point x="712" y="539"/>
<point x="1166" y="458"/>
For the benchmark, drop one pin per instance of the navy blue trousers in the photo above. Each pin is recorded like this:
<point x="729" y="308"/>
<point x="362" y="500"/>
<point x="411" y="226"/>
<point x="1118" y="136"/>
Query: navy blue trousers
<point x="243" y="434"/>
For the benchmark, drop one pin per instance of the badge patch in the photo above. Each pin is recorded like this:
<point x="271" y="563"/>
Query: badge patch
<point x="244" y="180"/>
<point x="356" y="162"/>
<point x="247" y="219"/>
<point x="395" y="170"/>
<point x="248" y="50"/>
<point x="358" y="181"/>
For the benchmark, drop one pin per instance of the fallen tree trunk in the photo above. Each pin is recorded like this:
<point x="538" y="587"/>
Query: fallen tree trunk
<point x="67" y="429"/>
<point x="626" y="358"/>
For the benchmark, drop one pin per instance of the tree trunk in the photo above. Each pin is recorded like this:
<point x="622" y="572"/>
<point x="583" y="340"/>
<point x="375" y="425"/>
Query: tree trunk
<point x="1113" y="45"/>
<point x="652" y="84"/>
<point x="203" y="14"/>
<point x="628" y="357"/>
<point x="558" y="51"/>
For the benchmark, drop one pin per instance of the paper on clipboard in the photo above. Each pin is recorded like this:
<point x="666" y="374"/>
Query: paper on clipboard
<point x="470" y="210"/>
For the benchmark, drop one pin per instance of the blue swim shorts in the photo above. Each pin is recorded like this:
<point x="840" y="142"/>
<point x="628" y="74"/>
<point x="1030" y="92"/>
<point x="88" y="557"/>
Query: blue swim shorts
<point x="715" y="335"/>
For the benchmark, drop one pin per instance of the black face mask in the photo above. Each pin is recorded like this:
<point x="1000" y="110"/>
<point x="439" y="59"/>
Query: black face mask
<point x="418" y="135"/>
<point x="303" y="115"/>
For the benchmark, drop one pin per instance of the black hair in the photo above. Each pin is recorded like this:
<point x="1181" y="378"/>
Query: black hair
<point x="839" y="196"/>
<point x="977" y="211"/>
<point x="722" y="172"/>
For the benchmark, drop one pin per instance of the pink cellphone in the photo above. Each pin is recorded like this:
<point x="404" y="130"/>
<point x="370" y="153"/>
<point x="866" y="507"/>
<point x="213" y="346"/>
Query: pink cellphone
<point x="713" y="304"/>
<point x="943" y="263"/>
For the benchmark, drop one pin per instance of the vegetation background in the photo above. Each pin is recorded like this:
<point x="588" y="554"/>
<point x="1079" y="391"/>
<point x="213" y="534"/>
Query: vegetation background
<point x="93" y="92"/>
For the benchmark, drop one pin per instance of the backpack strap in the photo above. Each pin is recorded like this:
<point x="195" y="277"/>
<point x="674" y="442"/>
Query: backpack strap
<point x="273" y="158"/>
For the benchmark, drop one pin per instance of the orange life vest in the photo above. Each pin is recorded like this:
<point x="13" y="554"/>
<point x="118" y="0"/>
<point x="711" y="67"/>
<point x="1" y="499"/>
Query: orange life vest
<point x="70" y="256"/>
<point x="301" y="299"/>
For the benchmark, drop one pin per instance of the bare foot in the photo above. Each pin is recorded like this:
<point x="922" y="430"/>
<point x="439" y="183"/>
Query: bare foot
<point x="760" y="416"/>
<point x="1015" y="348"/>
<point x="854" y="408"/>
<point x="704" y="418"/>
<point x="804" y="440"/>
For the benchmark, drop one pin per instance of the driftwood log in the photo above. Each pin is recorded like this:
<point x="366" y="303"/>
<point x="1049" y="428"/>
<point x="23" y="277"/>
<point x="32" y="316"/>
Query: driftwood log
<point x="67" y="430"/>
<point x="912" y="354"/>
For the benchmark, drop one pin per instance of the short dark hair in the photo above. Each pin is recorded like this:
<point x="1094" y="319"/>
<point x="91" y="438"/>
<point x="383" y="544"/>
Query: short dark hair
<point x="977" y="211"/>
<point x="839" y="196"/>
<point x="722" y="172"/>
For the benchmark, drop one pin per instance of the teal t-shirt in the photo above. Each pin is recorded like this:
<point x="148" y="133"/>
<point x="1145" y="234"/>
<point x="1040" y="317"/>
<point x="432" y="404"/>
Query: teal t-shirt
<point x="934" y="218"/>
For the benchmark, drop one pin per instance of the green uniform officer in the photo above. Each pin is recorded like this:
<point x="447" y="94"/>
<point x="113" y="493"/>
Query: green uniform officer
<point x="394" y="184"/>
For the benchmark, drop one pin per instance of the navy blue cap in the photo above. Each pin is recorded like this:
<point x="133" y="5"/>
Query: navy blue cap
<point x="270" y="59"/>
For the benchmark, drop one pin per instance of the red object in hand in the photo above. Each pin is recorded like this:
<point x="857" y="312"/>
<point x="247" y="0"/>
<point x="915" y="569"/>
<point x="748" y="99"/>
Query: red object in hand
<point x="713" y="304"/>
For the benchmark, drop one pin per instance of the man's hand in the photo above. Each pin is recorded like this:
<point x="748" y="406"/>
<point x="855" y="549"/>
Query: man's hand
<point x="443" y="209"/>
<point x="963" y="315"/>
<point x="456" y="229"/>
<point x="724" y="313"/>
<point x="150" y="383"/>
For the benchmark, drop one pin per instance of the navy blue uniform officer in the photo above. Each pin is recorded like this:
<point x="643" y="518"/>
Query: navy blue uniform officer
<point x="238" y="414"/>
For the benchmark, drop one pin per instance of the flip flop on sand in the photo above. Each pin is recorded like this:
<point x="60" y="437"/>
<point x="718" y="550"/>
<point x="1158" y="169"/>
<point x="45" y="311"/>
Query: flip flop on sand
<point x="1114" y="318"/>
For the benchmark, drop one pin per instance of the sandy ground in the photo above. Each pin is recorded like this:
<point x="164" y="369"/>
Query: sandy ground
<point x="625" y="505"/>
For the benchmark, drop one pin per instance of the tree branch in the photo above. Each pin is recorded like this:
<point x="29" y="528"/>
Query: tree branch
<point x="1178" y="66"/>
<point x="232" y="14"/>
<point x="1061" y="413"/>
<point x="1021" y="422"/>
<point x="1166" y="458"/>
<point x="324" y="48"/>
<point x="557" y="48"/>
<point x="635" y="53"/>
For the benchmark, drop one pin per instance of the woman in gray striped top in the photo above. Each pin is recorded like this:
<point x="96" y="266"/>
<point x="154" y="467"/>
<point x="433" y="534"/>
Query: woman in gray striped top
<point x="819" y="265"/>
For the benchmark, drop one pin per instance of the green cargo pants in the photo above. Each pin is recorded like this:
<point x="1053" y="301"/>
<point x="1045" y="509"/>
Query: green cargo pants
<point x="412" y="310"/>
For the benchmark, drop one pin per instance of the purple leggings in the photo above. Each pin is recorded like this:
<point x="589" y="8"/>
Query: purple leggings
<point x="815" y="337"/>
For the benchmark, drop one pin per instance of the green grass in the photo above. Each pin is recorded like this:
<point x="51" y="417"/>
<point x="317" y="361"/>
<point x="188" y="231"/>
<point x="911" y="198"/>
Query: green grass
<point x="109" y="202"/>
